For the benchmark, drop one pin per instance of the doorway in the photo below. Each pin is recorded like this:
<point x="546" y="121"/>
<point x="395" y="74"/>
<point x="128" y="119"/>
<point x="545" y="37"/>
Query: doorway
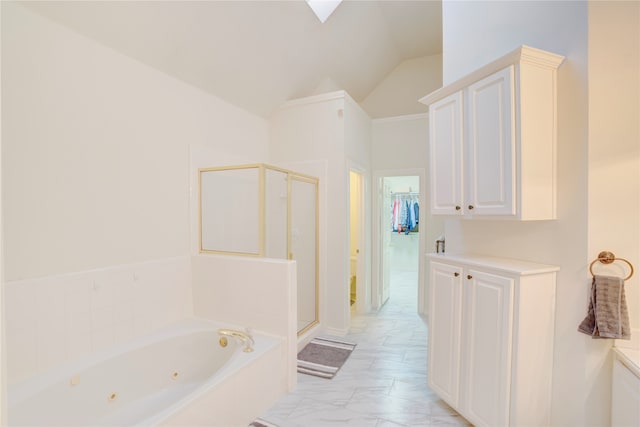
<point x="357" y="297"/>
<point x="400" y="228"/>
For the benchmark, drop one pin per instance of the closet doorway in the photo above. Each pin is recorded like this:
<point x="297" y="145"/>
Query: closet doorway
<point x="400" y="231"/>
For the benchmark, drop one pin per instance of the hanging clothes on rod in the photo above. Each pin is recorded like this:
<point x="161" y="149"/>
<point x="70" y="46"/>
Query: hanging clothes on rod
<point x="405" y="212"/>
<point x="395" y="215"/>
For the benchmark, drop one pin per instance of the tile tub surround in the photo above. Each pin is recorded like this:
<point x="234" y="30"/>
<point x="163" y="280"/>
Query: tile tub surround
<point x="58" y="319"/>
<point x="258" y="293"/>
<point x="383" y="383"/>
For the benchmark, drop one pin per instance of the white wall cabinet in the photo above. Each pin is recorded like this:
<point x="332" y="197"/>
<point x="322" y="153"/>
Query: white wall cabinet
<point x="445" y="148"/>
<point x="491" y="324"/>
<point x="492" y="140"/>
<point x="490" y="156"/>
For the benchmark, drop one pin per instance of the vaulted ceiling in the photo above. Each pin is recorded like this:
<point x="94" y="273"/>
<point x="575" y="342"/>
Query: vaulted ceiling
<point x="259" y="54"/>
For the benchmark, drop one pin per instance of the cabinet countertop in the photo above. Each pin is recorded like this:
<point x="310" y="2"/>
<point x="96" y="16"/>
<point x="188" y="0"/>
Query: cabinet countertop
<point x="505" y="265"/>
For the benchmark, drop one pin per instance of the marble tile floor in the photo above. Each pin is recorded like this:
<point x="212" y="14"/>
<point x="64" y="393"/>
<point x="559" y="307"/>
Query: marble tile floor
<point x="384" y="381"/>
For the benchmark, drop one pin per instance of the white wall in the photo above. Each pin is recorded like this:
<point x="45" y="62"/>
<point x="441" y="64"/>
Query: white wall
<point x="581" y="374"/>
<point x="400" y="142"/>
<point x="614" y="140"/>
<point x="485" y="30"/>
<point x="96" y="151"/>
<point x="398" y="93"/>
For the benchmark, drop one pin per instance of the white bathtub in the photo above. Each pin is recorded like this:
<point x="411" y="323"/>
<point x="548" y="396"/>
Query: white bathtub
<point x="177" y="376"/>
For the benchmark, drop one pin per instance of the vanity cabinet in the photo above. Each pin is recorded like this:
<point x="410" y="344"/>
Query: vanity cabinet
<point x="491" y="324"/>
<point x="444" y="339"/>
<point x="492" y="140"/>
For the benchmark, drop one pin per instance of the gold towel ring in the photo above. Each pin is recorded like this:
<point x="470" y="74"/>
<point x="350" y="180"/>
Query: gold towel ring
<point x="607" y="257"/>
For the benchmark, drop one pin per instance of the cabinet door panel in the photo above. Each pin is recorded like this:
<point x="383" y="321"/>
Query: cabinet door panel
<point x="444" y="331"/>
<point x="491" y="145"/>
<point x="445" y="150"/>
<point x="487" y="346"/>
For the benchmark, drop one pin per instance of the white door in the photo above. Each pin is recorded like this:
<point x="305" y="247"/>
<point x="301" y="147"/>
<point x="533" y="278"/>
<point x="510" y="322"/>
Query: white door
<point x="385" y="233"/>
<point x="490" y="143"/>
<point x="488" y="310"/>
<point x="357" y="290"/>
<point x="446" y="151"/>
<point x="444" y="330"/>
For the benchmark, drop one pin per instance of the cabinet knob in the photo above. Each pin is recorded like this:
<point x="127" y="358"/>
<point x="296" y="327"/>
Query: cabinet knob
<point x="456" y="274"/>
<point x="469" y="276"/>
<point x="458" y="208"/>
<point x="470" y="207"/>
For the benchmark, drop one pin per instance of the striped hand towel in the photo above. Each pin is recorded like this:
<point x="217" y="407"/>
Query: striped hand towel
<point x="607" y="315"/>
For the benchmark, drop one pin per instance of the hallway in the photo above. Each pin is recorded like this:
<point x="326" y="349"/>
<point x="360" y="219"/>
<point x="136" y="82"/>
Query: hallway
<point x="383" y="383"/>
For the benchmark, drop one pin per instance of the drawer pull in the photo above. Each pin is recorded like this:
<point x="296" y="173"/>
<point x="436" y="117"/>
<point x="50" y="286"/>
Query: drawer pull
<point x="470" y="207"/>
<point x="456" y="274"/>
<point x="469" y="276"/>
<point x="458" y="208"/>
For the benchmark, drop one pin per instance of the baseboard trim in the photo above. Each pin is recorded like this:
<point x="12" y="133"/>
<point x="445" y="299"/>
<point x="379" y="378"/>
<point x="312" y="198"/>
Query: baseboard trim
<point x="337" y="332"/>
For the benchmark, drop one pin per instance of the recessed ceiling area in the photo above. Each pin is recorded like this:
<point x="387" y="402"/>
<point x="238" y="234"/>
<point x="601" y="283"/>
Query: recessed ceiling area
<point x="259" y="54"/>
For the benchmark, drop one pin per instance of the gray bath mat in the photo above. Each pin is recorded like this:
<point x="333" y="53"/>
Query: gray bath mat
<point x="323" y="357"/>
<point x="259" y="422"/>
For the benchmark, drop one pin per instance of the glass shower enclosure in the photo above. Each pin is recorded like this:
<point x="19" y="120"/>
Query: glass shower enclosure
<point x="264" y="211"/>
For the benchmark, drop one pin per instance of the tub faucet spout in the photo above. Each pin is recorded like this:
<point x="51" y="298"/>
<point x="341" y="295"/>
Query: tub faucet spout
<point x="243" y="336"/>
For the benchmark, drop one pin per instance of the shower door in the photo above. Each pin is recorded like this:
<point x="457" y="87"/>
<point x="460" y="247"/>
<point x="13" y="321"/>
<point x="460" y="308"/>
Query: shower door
<point x="302" y="241"/>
